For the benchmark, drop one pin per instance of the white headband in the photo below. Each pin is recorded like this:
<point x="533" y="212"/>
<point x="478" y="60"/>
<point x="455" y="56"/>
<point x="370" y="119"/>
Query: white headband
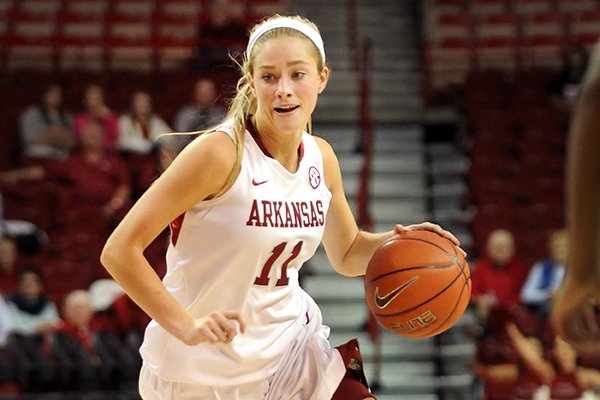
<point x="286" y="22"/>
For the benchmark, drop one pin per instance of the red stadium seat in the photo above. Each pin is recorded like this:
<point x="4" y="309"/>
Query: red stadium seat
<point x="176" y="39"/>
<point x="481" y="8"/>
<point x="129" y="43"/>
<point x="577" y="6"/>
<point x="258" y="9"/>
<point x="96" y="8"/>
<point x="181" y="8"/>
<point x="449" y="60"/>
<point x="80" y="41"/>
<point x="585" y="27"/>
<point x="531" y="7"/>
<point x="498" y="42"/>
<point x="452" y="25"/>
<point x="48" y="8"/>
<point x="544" y="39"/>
<point x="134" y="9"/>
<point x="30" y="40"/>
<point x="448" y="6"/>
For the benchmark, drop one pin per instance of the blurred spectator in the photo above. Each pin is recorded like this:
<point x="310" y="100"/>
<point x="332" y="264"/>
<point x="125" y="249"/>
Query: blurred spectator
<point x="8" y="264"/>
<point x="498" y="275"/>
<point x="222" y="35"/>
<point x="7" y="324"/>
<point x="546" y="276"/>
<point x="98" y="180"/>
<point x="203" y="112"/>
<point x="32" y="311"/>
<point x="91" y="357"/>
<point x="557" y="371"/>
<point x="565" y="87"/>
<point x="34" y="314"/>
<point x="46" y="127"/>
<point x="72" y="345"/>
<point x="7" y="371"/>
<point x="139" y="128"/>
<point x="96" y="110"/>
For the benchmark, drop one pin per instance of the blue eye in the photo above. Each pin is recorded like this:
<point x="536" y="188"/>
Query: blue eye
<point x="267" y="77"/>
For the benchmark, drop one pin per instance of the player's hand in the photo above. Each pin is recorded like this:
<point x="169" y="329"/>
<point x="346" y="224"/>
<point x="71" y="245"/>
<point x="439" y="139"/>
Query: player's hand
<point x="576" y="314"/>
<point x="217" y="327"/>
<point x="428" y="226"/>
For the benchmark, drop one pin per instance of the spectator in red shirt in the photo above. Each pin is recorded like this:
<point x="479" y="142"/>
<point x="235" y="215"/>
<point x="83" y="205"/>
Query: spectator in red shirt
<point x="94" y="193"/>
<point x="96" y="110"/>
<point x="90" y="356"/>
<point x="95" y="177"/>
<point x="497" y="276"/>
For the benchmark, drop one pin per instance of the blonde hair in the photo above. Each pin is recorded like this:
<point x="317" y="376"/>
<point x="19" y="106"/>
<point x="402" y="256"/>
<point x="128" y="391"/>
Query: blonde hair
<point x="244" y="102"/>
<point x="243" y="105"/>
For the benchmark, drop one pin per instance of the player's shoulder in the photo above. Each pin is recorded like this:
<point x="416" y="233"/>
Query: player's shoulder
<point x="216" y="146"/>
<point x="325" y="147"/>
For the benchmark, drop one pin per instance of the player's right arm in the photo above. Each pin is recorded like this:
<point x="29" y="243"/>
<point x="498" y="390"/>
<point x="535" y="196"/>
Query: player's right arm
<point x="574" y="312"/>
<point x="198" y="172"/>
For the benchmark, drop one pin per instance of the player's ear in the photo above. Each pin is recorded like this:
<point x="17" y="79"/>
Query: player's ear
<point x="323" y="79"/>
<point x="250" y="81"/>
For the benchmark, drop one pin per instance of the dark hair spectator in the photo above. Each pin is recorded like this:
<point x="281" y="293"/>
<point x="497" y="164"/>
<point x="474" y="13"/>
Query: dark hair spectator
<point x="204" y="111"/>
<point x="34" y="315"/>
<point x="96" y="110"/>
<point x="140" y="126"/>
<point x="46" y="127"/>
<point x="33" y="312"/>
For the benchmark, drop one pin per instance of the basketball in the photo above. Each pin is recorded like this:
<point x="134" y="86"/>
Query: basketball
<point x="417" y="284"/>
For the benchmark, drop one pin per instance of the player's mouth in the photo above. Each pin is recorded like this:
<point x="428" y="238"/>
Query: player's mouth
<point x="285" y="109"/>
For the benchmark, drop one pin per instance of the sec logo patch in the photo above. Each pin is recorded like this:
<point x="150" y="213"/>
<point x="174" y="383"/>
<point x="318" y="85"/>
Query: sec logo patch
<point x="314" y="177"/>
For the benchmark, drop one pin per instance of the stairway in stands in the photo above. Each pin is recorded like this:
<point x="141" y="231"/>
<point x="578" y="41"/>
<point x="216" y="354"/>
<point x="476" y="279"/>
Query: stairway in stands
<point x="399" y="186"/>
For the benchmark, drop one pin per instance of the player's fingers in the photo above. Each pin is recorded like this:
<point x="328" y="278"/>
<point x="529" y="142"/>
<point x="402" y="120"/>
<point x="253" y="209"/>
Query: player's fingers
<point x="227" y="326"/>
<point x="234" y="315"/>
<point x="208" y="333"/>
<point x="450" y="236"/>
<point x="429" y="226"/>
<point x="215" y="327"/>
<point x="400" y="228"/>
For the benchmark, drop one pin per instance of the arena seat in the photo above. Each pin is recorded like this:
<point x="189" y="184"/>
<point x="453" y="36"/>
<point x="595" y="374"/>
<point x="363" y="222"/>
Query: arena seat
<point x="544" y="39"/>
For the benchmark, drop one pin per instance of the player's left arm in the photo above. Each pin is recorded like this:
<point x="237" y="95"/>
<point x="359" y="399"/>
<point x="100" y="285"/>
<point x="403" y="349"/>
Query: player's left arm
<point x="348" y="248"/>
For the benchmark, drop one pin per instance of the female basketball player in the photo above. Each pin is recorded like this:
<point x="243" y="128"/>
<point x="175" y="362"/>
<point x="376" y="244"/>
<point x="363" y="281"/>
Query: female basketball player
<point x="577" y="308"/>
<point x="248" y="203"/>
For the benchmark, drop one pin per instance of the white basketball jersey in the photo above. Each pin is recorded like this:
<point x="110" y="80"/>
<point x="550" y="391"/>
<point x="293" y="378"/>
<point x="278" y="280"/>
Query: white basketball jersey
<point x="242" y="252"/>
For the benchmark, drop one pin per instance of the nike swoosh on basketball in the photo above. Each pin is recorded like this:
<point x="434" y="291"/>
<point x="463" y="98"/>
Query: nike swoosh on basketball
<point x="258" y="183"/>
<point x="383" y="302"/>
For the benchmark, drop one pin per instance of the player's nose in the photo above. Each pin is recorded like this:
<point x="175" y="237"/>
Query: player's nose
<point x="284" y="87"/>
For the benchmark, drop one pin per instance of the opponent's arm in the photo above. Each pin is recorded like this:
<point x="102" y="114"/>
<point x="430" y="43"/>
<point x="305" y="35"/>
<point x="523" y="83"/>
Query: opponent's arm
<point x="576" y="304"/>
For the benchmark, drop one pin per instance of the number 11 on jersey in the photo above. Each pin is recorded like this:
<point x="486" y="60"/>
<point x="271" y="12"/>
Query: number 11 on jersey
<point x="283" y="280"/>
